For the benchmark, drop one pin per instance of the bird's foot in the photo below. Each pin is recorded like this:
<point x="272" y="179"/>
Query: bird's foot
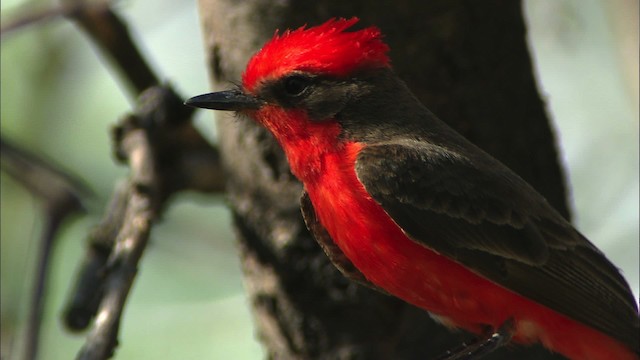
<point x="483" y="345"/>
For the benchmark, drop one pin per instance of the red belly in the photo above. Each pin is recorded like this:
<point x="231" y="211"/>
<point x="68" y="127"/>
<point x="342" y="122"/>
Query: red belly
<point x="422" y="277"/>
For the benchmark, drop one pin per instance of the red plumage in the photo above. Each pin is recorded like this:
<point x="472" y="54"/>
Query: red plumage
<point x="325" y="49"/>
<point x="320" y="125"/>
<point x="392" y="261"/>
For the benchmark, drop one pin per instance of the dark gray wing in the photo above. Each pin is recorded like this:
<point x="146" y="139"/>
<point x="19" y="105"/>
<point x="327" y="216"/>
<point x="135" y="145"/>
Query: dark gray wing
<point x="485" y="217"/>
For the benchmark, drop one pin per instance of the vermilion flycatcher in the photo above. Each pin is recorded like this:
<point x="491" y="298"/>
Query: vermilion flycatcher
<point x="404" y="203"/>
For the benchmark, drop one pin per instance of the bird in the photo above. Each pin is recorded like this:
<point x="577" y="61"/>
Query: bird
<point x="404" y="204"/>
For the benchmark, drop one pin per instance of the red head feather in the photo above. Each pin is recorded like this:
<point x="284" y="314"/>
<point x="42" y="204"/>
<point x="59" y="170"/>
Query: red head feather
<point x="324" y="49"/>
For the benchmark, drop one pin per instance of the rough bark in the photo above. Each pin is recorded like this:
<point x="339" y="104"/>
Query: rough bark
<point x="469" y="63"/>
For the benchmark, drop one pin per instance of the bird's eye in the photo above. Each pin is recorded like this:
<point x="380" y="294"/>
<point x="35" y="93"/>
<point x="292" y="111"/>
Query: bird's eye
<point x="296" y="85"/>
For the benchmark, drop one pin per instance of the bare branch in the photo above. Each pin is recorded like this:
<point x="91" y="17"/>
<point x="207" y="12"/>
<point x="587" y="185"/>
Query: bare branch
<point x="166" y="155"/>
<point x="28" y="16"/>
<point x="160" y="144"/>
<point x="61" y="195"/>
<point x="110" y="33"/>
<point x="41" y="177"/>
<point x="128" y="249"/>
<point x="87" y="293"/>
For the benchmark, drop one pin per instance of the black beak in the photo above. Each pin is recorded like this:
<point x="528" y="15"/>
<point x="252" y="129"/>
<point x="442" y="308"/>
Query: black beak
<point x="231" y="100"/>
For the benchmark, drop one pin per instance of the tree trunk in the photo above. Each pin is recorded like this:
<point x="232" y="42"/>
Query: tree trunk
<point x="468" y="62"/>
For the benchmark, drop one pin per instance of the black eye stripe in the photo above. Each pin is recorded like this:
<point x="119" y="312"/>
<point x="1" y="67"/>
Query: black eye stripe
<point x="295" y="85"/>
<point x="298" y="89"/>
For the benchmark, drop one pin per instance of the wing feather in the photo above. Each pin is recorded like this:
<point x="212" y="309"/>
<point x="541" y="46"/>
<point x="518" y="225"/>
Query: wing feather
<point x="482" y="215"/>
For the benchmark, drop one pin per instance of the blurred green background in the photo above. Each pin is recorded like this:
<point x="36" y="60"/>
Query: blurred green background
<point x="59" y="100"/>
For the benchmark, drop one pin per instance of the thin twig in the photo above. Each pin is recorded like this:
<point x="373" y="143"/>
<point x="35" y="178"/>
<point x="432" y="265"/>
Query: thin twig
<point x="29" y="16"/>
<point x="88" y="290"/>
<point x="183" y="160"/>
<point x="159" y="143"/>
<point x="129" y="246"/>
<point x="61" y="195"/>
<point x="110" y="33"/>
<point x="166" y="154"/>
<point x="41" y="177"/>
<point x="53" y="220"/>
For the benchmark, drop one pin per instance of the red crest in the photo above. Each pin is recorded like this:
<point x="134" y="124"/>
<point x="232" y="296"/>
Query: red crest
<point x="324" y="49"/>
